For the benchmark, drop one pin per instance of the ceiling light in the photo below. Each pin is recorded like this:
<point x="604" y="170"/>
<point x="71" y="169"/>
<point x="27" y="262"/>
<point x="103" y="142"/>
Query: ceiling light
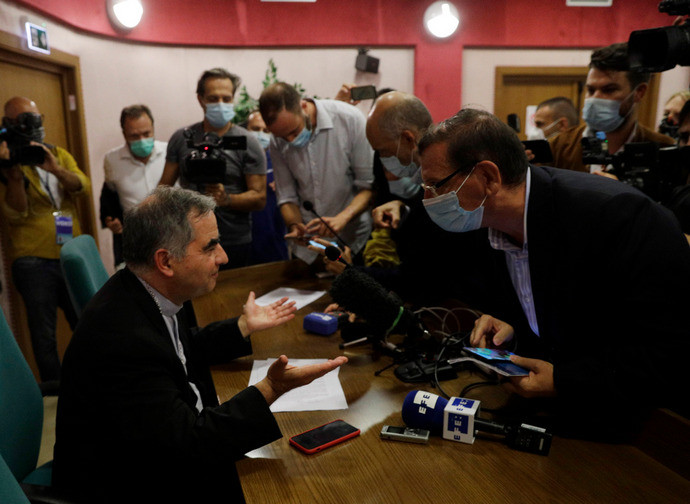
<point x="125" y="14"/>
<point x="441" y="19"/>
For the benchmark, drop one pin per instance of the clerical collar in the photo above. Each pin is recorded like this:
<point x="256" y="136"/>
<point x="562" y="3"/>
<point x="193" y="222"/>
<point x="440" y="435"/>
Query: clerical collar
<point x="165" y="306"/>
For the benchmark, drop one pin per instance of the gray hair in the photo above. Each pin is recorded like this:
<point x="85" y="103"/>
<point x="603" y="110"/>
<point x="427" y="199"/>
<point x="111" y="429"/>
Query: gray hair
<point x="409" y="114"/>
<point x="476" y="135"/>
<point x="162" y="221"/>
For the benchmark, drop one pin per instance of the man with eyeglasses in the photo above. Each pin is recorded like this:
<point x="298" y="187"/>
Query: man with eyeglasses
<point x="583" y="277"/>
<point x="244" y="188"/>
<point x="39" y="204"/>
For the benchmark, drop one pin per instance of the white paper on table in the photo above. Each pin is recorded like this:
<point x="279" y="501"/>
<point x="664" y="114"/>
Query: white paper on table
<point x="301" y="297"/>
<point x="324" y="393"/>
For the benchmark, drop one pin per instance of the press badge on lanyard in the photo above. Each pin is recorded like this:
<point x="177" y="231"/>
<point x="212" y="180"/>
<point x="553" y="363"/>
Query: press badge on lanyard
<point x="63" y="227"/>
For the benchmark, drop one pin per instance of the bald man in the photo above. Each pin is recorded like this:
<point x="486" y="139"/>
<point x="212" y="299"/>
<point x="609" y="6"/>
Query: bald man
<point x="39" y="204"/>
<point x="394" y="126"/>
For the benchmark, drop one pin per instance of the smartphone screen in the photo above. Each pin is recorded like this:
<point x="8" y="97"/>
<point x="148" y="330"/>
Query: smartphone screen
<point x="322" y="437"/>
<point x="363" y="93"/>
<point x="490" y="353"/>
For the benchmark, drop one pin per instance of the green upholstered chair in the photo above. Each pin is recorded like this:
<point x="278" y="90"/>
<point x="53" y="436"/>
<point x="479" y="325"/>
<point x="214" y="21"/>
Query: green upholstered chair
<point x="83" y="270"/>
<point x="21" y="426"/>
<point x="10" y="491"/>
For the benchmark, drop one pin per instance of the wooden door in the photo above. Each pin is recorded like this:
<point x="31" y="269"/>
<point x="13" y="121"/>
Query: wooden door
<point x="53" y="83"/>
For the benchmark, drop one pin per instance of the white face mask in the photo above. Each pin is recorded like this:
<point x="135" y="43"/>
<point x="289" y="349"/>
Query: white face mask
<point x="538" y="133"/>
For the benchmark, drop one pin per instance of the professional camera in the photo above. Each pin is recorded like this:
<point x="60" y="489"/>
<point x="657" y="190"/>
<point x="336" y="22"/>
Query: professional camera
<point x="660" y="49"/>
<point x="19" y="134"/>
<point x="206" y="163"/>
<point x="654" y="170"/>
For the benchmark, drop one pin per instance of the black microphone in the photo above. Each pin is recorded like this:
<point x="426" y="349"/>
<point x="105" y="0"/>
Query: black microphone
<point x="309" y="207"/>
<point x="357" y="292"/>
<point x="334" y="254"/>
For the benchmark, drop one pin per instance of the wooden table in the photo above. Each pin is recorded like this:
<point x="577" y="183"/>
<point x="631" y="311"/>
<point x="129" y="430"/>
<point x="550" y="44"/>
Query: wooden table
<point x="367" y="469"/>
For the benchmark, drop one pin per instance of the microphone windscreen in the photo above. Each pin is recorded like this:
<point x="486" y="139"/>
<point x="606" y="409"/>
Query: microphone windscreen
<point x="308" y="206"/>
<point x="357" y="292"/>
<point x="424" y="410"/>
<point x="333" y="253"/>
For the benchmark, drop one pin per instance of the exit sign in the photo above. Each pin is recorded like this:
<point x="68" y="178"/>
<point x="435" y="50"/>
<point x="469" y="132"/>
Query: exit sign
<point x="37" y="38"/>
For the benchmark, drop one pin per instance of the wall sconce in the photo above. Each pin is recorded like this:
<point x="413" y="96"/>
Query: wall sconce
<point x="125" y="14"/>
<point x="441" y="19"/>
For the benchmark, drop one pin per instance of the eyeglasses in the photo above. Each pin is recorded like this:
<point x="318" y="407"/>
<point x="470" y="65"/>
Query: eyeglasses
<point x="433" y="188"/>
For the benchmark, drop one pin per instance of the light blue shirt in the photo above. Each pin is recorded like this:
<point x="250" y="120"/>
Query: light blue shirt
<point x="517" y="260"/>
<point x="334" y="166"/>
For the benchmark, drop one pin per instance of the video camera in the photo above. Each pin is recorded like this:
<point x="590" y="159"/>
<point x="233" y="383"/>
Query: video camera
<point x="654" y="170"/>
<point x="206" y="163"/>
<point x="660" y="49"/>
<point x="19" y="134"/>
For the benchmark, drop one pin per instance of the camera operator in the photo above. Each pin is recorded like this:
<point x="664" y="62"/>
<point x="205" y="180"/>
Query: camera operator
<point x="38" y="201"/>
<point x="244" y="187"/>
<point x="613" y="92"/>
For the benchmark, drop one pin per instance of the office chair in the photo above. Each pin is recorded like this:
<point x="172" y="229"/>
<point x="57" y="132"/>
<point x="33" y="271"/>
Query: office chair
<point x="10" y="491"/>
<point x="83" y="270"/>
<point x="21" y="427"/>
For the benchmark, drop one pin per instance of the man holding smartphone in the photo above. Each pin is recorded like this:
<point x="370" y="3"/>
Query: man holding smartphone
<point x="586" y="275"/>
<point x="320" y="155"/>
<point x="138" y="417"/>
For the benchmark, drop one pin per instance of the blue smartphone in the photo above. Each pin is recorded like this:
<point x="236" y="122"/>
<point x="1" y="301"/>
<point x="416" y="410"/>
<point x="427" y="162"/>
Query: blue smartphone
<point x="490" y="353"/>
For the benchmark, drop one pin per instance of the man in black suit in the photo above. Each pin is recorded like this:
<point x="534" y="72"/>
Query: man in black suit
<point x="138" y="417"/>
<point x="586" y="276"/>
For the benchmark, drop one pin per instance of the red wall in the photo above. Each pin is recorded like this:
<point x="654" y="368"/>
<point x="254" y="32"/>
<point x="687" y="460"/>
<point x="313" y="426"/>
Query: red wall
<point x="438" y="64"/>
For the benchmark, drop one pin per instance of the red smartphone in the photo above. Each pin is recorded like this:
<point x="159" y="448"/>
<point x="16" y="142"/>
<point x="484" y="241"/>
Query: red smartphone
<point x="320" y="438"/>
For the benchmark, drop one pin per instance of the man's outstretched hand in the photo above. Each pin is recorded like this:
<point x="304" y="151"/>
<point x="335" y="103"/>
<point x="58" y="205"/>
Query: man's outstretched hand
<point x="282" y="377"/>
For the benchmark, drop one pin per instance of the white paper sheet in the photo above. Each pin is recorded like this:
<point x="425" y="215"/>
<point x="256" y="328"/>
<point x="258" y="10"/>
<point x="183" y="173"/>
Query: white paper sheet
<point x="324" y="393"/>
<point x="301" y="297"/>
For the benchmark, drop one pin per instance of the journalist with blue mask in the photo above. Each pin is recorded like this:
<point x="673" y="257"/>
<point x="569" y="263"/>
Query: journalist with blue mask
<point x="613" y="92"/>
<point x="322" y="165"/>
<point x="540" y="242"/>
<point x="223" y="160"/>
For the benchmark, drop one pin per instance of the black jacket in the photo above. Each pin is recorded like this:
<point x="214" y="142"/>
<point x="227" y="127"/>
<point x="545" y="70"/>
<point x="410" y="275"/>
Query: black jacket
<point x="127" y="426"/>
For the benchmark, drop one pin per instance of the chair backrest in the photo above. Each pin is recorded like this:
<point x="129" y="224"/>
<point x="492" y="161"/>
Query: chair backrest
<point x="83" y="269"/>
<point x="10" y="491"/>
<point x="21" y="407"/>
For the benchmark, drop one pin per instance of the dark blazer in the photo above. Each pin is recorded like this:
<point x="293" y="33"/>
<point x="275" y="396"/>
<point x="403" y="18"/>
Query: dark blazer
<point x="610" y="271"/>
<point x="127" y="426"/>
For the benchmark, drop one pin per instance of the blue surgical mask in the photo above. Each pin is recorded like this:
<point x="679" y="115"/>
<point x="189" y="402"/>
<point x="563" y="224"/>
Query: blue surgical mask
<point x="219" y="114"/>
<point x="602" y="114"/>
<point x="393" y="165"/>
<point x="263" y="138"/>
<point x="404" y="187"/>
<point x="302" y="139"/>
<point x="142" y="148"/>
<point x="446" y="212"/>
